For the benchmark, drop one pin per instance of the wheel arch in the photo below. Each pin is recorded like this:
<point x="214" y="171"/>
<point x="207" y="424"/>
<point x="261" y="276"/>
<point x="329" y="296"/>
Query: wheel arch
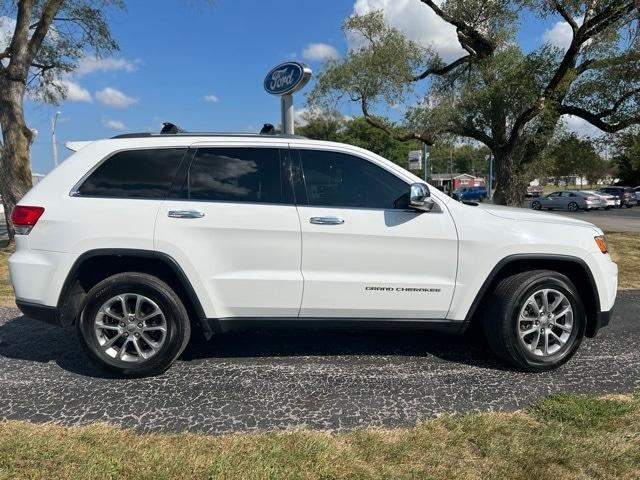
<point x="95" y="265"/>
<point x="574" y="268"/>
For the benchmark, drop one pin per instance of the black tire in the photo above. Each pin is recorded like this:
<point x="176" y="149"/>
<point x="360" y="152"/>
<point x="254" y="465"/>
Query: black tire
<point x="536" y="205"/>
<point x="607" y="208"/>
<point x="178" y="327"/>
<point x="629" y="205"/>
<point x="573" y="207"/>
<point x="503" y="310"/>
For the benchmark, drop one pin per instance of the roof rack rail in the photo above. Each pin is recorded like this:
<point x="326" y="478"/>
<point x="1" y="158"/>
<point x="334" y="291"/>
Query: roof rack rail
<point x="171" y="129"/>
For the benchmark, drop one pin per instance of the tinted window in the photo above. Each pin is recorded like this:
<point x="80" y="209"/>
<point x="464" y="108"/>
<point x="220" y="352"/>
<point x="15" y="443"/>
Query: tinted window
<point x="134" y="174"/>
<point x="341" y="180"/>
<point x="236" y="174"/>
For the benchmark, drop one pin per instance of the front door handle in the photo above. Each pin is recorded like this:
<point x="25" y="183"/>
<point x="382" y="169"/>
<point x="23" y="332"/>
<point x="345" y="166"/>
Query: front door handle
<point x="326" y="220"/>
<point x="185" y="214"/>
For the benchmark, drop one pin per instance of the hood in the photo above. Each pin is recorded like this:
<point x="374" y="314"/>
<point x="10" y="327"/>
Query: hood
<point x="525" y="215"/>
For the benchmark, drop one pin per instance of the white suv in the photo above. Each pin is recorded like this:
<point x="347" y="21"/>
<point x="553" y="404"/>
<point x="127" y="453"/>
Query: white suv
<point x="137" y="239"/>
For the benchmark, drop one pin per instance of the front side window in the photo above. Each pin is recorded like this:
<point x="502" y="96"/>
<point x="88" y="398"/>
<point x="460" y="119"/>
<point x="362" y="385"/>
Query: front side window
<point x="134" y="174"/>
<point x="335" y="179"/>
<point x="236" y="175"/>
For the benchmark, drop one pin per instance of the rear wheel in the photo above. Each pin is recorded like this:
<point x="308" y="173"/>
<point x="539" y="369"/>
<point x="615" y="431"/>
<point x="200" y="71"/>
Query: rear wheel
<point x="573" y="207"/>
<point x="134" y="324"/>
<point x="535" y="320"/>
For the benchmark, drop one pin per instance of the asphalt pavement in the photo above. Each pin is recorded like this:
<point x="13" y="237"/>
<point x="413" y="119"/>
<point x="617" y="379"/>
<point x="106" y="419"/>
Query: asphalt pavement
<point x="333" y="380"/>
<point x="613" y="220"/>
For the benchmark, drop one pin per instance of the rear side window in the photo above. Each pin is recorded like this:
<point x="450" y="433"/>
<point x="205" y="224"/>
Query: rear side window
<point x="251" y="175"/>
<point x="337" y="179"/>
<point x="134" y="174"/>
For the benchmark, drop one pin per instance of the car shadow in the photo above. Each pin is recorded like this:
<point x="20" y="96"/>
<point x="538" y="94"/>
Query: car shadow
<point x="23" y="338"/>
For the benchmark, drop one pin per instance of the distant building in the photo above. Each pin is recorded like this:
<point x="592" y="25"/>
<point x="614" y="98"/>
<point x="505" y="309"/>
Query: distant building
<point x="444" y="181"/>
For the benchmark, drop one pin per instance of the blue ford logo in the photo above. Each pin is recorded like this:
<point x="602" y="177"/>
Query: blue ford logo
<point x="287" y="78"/>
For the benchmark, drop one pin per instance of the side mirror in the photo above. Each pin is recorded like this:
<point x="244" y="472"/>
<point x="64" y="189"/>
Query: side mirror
<point x="420" y="197"/>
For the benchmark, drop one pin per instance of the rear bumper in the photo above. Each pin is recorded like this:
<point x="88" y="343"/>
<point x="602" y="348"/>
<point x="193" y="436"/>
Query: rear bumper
<point x="39" y="312"/>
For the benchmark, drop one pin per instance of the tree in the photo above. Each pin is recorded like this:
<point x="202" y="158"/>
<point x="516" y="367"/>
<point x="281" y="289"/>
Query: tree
<point x="321" y="125"/>
<point x="627" y="158"/>
<point x="48" y="39"/>
<point x="572" y="155"/>
<point x="495" y="93"/>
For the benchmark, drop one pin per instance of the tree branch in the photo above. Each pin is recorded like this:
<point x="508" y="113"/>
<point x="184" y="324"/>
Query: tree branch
<point x="471" y="39"/>
<point x="405" y="137"/>
<point x="567" y="16"/>
<point x="20" y="38"/>
<point x="605" y="18"/>
<point x="443" y="70"/>
<point x="48" y="13"/>
<point x="596" y="120"/>
<point x="468" y="130"/>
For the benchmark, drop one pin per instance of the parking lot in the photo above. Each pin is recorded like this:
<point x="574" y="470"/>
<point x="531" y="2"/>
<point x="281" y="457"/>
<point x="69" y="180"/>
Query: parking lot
<point x="283" y="380"/>
<point x="614" y="220"/>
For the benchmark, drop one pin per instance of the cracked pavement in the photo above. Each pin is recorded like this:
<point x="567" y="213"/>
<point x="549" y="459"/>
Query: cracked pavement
<point x="333" y="380"/>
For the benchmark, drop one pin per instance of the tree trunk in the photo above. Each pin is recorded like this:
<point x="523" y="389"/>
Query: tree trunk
<point x="511" y="187"/>
<point x="15" y="164"/>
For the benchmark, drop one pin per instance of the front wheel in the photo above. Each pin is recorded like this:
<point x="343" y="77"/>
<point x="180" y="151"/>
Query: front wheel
<point x="133" y="324"/>
<point x="536" y="205"/>
<point x="535" y="320"/>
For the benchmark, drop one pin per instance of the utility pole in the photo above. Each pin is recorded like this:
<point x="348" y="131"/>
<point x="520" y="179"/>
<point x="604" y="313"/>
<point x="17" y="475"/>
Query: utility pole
<point x="54" y="121"/>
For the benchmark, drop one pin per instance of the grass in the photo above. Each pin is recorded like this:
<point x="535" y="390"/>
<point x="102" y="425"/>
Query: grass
<point x="6" y="291"/>
<point x="625" y="251"/>
<point x="560" y="437"/>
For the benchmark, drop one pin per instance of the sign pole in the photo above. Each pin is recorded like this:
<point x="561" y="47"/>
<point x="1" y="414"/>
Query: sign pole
<point x="425" y="156"/>
<point x="283" y="81"/>
<point x="286" y="102"/>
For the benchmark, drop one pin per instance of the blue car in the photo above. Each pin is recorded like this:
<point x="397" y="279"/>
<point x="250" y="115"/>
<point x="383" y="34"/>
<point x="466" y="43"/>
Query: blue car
<point x="470" y="194"/>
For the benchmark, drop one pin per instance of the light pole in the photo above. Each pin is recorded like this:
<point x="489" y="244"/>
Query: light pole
<point x="54" y="121"/>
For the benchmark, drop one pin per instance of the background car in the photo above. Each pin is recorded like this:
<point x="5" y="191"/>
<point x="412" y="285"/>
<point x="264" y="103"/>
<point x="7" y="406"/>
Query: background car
<point x="534" y="192"/>
<point x="568" y="200"/>
<point x="625" y="195"/>
<point x="477" y="194"/>
<point x="611" y="200"/>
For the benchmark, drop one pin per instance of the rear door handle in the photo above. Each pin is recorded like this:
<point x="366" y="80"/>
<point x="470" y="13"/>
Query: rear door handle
<point x="185" y="214"/>
<point x="326" y="220"/>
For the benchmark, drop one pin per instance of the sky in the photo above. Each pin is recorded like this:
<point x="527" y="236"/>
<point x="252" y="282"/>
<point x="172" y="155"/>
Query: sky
<point x="201" y="65"/>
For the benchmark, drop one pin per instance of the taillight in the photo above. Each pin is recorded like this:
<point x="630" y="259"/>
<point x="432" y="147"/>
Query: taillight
<point x="24" y="218"/>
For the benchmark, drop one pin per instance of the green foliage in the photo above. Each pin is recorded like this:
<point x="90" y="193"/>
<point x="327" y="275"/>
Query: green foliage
<point x="573" y="155"/>
<point x="627" y="158"/>
<point x="380" y="70"/>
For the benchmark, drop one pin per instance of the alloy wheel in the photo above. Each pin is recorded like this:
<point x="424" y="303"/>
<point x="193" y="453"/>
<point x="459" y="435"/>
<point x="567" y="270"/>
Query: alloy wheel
<point x="545" y="322"/>
<point x="130" y="327"/>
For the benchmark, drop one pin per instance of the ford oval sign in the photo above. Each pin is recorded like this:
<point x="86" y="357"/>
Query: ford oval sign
<point x="287" y="78"/>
